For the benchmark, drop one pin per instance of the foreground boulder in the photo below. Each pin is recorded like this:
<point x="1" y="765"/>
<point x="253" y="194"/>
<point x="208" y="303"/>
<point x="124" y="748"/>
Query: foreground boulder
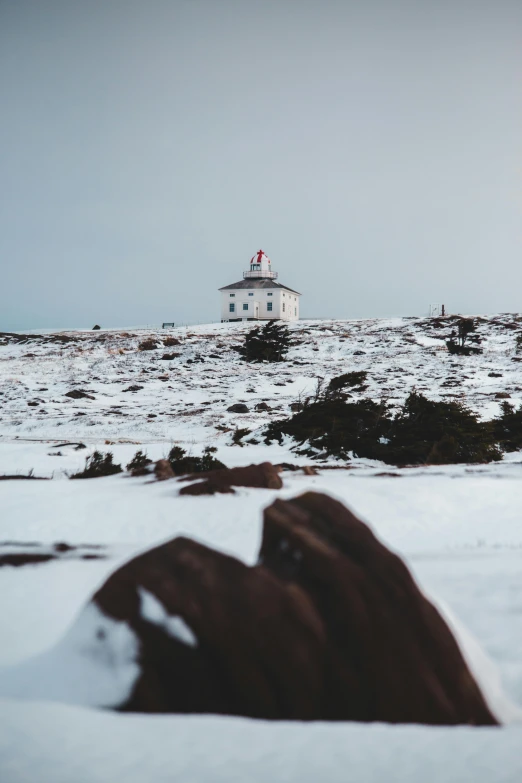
<point x="330" y="625"/>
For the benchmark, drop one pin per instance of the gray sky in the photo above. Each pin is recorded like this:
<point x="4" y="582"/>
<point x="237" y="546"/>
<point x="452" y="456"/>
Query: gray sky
<point x="148" y="149"/>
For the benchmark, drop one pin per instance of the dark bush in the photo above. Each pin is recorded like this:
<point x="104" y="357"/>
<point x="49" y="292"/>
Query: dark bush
<point x="148" y="345"/>
<point x="239" y="434"/>
<point x="518" y="344"/>
<point x="335" y="428"/>
<point x="167" y="357"/>
<point x="138" y="465"/>
<point x="456" y="343"/>
<point x="98" y="465"/>
<point x="349" y="379"/>
<point x="422" y="432"/>
<point x="183" y="463"/>
<point x="508" y="427"/>
<point x="168" y="342"/>
<point x="431" y="432"/>
<point x="268" y="343"/>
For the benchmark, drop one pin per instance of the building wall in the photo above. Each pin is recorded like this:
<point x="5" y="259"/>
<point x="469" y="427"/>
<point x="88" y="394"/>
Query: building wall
<point x="260" y="298"/>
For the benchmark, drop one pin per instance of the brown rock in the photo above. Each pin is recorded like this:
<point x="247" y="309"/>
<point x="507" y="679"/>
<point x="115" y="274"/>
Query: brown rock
<point x="251" y="645"/>
<point x="391" y="655"/>
<point x="163" y="470"/>
<point x="264" y="476"/>
<point x="330" y="625"/>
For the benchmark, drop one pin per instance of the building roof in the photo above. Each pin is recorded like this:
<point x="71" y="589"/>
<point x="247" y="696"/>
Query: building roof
<point x="259" y="282"/>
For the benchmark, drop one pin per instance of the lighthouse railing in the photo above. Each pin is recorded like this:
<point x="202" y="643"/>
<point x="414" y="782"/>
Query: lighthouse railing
<point x="263" y="273"/>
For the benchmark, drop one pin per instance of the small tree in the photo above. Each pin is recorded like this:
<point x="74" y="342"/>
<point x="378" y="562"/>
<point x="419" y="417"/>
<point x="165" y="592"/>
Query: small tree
<point x="457" y="340"/>
<point x="268" y="343"/>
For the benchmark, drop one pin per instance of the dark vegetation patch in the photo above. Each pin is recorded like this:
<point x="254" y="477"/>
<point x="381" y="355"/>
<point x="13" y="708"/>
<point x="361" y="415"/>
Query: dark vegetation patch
<point x="22" y="477"/>
<point x="98" y="465"/>
<point x="268" y="343"/>
<point x="134" y="388"/>
<point x="10" y="337"/>
<point x="168" y="356"/>
<point x="238" y="407"/>
<point x="422" y="432"/>
<point x="239" y="434"/>
<point x="464" y="331"/>
<point x="508" y="427"/>
<point x="139" y="464"/>
<point x="183" y="463"/>
<point x="349" y="379"/>
<point x="170" y="341"/>
<point x="149" y="345"/>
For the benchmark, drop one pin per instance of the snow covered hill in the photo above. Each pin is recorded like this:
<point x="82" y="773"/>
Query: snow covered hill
<point x="141" y="396"/>
<point x="457" y="527"/>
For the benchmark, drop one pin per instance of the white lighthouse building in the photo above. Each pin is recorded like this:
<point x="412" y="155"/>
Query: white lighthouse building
<point x="257" y="297"/>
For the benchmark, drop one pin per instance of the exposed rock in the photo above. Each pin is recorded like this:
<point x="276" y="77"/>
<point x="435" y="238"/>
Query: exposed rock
<point x="216" y="636"/>
<point x="263" y="476"/>
<point x="330" y="625"/>
<point x="163" y="470"/>
<point x="78" y="394"/>
<point x="239" y="407"/>
<point x="390" y="655"/>
<point x="263" y="406"/>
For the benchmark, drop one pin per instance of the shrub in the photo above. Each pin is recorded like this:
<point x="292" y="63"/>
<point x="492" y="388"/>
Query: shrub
<point x="170" y="341"/>
<point x="183" y="463"/>
<point x="336" y="428"/>
<point x="456" y="343"/>
<point x="349" y="379"/>
<point x="139" y="464"/>
<point x="422" y="432"/>
<point x="518" y="343"/>
<point x="148" y="345"/>
<point x="239" y="434"/>
<point x="268" y="343"/>
<point x="98" y="465"/>
<point x="508" y="427"/>
<point x="428" y="432"/>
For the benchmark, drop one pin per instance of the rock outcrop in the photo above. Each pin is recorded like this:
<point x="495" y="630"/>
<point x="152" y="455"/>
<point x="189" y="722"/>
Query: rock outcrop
<point x="330" y="625"/>
<point x="263" y="476"/>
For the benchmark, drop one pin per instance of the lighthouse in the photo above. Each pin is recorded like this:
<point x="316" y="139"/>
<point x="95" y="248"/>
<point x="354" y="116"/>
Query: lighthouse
<point x="258" y="297"/>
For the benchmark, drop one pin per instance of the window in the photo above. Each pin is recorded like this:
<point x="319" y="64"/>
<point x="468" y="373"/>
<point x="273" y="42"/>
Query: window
<point x="283" y="306"/>
<point x="232" y="294"/>
<point x="251" y="294"/>
<point x="232" y="307"/>
<point x="269" y="294"/>
<point x="295" y="310"/>
<point x="283" y="294"/>
<point x="245" y="306"/>
<point x="269" y="305"/>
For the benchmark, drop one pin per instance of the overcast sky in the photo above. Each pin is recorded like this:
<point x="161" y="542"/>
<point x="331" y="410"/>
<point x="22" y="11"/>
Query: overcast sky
<point x="148" y="149"/>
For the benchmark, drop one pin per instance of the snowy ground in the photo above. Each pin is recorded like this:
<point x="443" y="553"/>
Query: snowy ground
<point x="458" y="528"/>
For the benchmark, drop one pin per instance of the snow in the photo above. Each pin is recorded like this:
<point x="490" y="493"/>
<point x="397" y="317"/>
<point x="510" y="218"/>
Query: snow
<point x="457" y="527"/>
<point x="153" y="611"/>
<point x="95" y="664"/>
